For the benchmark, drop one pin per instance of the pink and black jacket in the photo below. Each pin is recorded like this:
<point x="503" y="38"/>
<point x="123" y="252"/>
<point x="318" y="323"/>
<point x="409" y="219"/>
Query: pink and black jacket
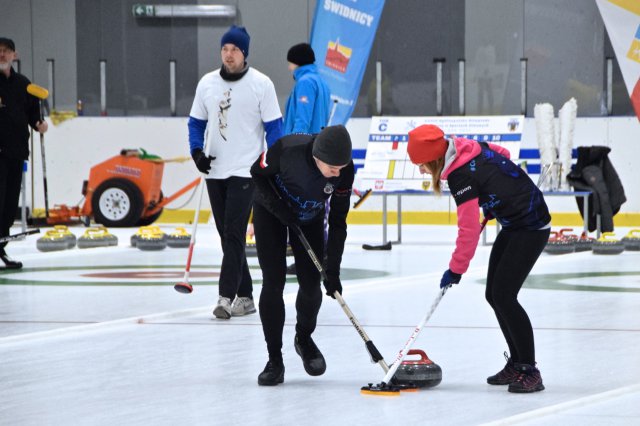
<point x="480" y="175"/>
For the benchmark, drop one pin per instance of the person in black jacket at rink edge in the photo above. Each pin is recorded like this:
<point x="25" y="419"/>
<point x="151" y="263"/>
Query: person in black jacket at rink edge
<point x="18" y="111"/>
<point x="305" y="170"/>
<point x="481" y="175"/>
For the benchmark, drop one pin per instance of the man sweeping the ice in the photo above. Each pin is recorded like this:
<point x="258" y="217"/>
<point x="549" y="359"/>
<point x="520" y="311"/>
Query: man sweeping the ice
<point x="293" y="180"/>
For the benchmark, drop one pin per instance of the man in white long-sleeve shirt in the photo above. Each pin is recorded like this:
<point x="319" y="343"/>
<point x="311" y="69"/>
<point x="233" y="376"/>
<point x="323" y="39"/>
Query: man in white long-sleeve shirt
<point x="237" y="106"/>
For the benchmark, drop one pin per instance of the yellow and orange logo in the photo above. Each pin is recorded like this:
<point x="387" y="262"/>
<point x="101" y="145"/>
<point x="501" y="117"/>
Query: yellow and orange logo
<point x="338" y="56"/>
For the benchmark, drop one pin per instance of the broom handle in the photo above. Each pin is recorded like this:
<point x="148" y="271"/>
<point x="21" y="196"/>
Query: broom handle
<point x="19" y="236"/>
<point x="412" y="338"/>
<point x="44" y="165"/>
<point x="196" y="218"/>
<point x="194" y="229"/>
<point x="403" y="352"/>
<point x="371" y="348"/>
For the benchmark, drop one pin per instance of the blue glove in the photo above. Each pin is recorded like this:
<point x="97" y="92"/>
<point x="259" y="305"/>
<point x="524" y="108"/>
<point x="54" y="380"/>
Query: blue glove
<point x="449" y="278"/>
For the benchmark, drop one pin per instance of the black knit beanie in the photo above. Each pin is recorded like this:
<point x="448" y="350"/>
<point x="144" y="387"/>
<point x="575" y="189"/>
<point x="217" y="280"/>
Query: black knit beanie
<point x="333" y="146"/>
<point x="301" y="54"/>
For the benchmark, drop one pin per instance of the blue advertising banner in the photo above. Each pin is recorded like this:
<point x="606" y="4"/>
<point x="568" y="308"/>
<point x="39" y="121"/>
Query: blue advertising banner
<point x="341" y="37"/>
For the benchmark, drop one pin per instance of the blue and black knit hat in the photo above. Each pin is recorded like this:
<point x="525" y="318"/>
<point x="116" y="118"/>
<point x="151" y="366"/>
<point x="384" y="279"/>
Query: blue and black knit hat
<point x="239" y="37"/>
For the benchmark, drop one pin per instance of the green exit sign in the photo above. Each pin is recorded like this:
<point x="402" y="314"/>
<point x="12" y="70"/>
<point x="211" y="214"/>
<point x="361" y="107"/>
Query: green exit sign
<point x="183" y="11"/>
<point x="143" y="10"/>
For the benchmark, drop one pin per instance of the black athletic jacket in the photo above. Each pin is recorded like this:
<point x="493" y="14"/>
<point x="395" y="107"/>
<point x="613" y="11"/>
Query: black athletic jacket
<point x="18" y="111"/>
<point x="481" y="175"/>
<point x="503" y="190"/>
<point x="594" y="172"/>
<point x="290" y="166"/>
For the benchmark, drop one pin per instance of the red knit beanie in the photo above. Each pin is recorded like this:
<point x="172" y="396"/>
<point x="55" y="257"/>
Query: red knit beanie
<point x="426" y="143"/>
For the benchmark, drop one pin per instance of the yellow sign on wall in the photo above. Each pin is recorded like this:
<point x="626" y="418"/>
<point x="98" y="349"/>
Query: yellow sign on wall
<point x="632" y="6"/>
<point x="634" y="50"/>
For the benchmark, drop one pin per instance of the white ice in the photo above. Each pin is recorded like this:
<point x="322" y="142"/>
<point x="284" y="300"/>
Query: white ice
<point x="80" y="350"/>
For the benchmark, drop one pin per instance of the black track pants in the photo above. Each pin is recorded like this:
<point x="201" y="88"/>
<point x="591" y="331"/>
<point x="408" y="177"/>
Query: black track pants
<point x="10" y="182"/>
<point x="271" y="244"/>
<point x="512" y="257"/>
<point x="231" y="201"/>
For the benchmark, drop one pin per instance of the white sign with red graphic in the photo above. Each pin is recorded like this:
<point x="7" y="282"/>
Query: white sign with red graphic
<point x="387" y="166"/>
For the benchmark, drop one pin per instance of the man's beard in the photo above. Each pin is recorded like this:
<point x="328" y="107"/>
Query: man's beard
<point x="5" y="66"/>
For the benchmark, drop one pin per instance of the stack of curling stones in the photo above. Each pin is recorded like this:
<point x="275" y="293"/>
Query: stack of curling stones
<point x="631" y="241"/>
<point x="582" y="243"/>
<point x="56" y="239"/>
<point x="607" y="244"/>
<point x="559" y="244"/>
<point x="149" y="238"/>
<point x="250" y="248"/>
<point x="422" y="373"/>
<point x="97" y="236"/>
<point x="585" y="242"/>
<point x="179" y="238"/>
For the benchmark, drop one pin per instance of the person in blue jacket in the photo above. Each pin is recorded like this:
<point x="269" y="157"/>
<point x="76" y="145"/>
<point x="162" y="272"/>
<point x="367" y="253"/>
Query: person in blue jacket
<point x="309" y="105"/>
<point x="308" y="108"/>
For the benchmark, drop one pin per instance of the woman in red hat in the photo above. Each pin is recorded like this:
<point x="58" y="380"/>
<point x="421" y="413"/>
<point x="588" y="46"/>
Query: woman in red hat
<point x="480" y="174"/>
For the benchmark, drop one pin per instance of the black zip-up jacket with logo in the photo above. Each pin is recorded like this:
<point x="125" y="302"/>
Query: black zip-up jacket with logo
<point x="290" y="166"/>
<point x="18" y="111"/>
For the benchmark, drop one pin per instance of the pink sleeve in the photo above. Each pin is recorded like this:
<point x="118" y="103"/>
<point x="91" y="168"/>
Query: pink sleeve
<point x="468" y="236"/>
<point x="500" y="150"/>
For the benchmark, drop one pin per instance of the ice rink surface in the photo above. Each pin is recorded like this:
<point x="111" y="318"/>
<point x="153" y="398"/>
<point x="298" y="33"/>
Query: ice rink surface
<point x="99" y="337"/>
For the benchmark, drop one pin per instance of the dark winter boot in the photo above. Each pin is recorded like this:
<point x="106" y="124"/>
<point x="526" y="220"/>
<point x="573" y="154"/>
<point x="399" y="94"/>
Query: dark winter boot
<point x="312" y="358"/>
<point x="273" y="373"/>
<point x="505" y="376"/>
<point x="291" y="269"/>
<point x="528" y="380"/>
<point x="8" y="262"/>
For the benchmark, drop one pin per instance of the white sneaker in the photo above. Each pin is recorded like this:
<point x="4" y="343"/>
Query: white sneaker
<point x="223" y="308"/>
<point x="242" y="306"/>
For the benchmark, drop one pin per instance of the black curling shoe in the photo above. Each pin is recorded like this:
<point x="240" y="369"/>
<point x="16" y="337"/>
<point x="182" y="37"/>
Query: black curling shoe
<point x="272" y="374"/>
<point x="312" y="358"/>
<point x="8" y="262"/>
<point x="528" y="380"/>
<point x="505" y="376"/>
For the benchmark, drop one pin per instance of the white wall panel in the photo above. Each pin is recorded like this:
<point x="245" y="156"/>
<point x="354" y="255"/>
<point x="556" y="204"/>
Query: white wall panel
<point x="74" y="146"/>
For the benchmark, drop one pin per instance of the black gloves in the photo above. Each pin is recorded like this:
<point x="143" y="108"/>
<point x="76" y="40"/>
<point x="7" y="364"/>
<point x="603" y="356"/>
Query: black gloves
<point x="333" y="284"/>
<point x="449" y="278"/>
<point x="283" y="212"/>
<point x="203" y="162"/>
